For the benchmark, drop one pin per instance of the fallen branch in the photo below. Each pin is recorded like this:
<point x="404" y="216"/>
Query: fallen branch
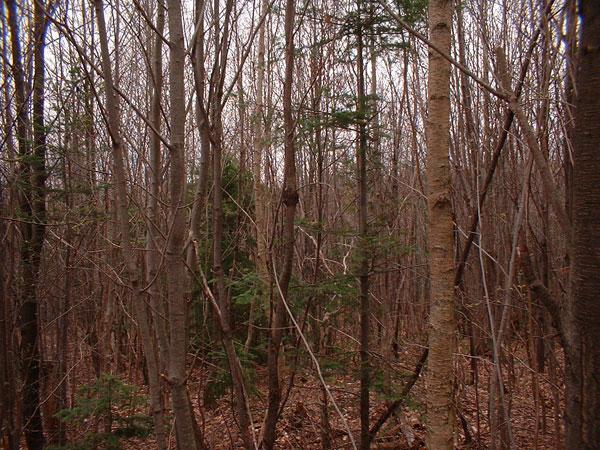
<point x="392" y="407"/>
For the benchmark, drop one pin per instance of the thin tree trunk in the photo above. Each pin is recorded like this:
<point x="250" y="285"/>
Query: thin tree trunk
<point x="289" y="198"/>
<point x="260" y="193"/>
<point x="221" y="290"/>
<point x="153" y="234"/>
<point x="122" y="213"/>
<point x="155" y="342"/>
<point x="203" y="128"/>
<point x="534" y="147"/>
<point x="62" y="325"/>
<point x="184" y="420"/>
<point x="507" y="124"/>
<point x="570" y="69"/>
<point x="222" y="296"/>
<point x="363" y="245"/>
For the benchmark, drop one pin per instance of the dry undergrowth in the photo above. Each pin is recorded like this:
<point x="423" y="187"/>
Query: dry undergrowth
<point x="300" y="424"/>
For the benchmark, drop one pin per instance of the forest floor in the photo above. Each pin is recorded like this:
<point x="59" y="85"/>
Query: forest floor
<point x="531" y="407"/>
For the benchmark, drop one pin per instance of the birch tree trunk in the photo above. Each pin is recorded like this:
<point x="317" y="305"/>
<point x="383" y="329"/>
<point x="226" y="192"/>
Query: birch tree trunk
<point x="440" y="376"/>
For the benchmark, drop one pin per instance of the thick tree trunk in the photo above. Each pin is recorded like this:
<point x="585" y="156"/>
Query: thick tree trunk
<point x="32" y="177"/>
<point x="583" y="310"/>
<point x="440" y="376"/>
<point x="33" y="378"/>
<point x="9" y="435"/>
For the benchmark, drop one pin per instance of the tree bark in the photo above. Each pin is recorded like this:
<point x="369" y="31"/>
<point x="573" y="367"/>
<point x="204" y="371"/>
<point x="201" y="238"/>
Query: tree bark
<point x="153" y="233"/>
<point x="289" y="198"/>
<point x="440" y="376"/>
<point x="9" y="435"/>
<point x="204" y="130"/>
<point x="363" y="245"/>
<point x="32" y="178"/>
<point x="583" y="307"/>
<point x="184" y="420"/>
<point x="155" y="341"/>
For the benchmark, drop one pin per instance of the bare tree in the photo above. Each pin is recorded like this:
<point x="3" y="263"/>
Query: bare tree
<point x="133" y="241"/>
<point x="112" y="109"/>
<point x="184" y="419"/>
<point x="363" y="265"/>
<point x="289" y="199"/>
<point x="31" y="137"/>
<point x="583" y="310"/>
<point x="440" y="370"/>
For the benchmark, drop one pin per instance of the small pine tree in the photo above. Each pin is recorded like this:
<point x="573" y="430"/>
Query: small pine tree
<point x="109" y="405"/>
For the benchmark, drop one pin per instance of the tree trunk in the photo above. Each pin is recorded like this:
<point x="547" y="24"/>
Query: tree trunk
<point x="122" y="213"/>
<point x="32" y="177"/>
<point x="153" y="233"/>
<point x="184" y="420"/>
<point x="155" y="342"/>
<point x="440" y="376"/>
<point x="583" y="310"/>
<point x="363" y="245"/>
<point x="8" y="435"/>
<point x="260" y="193"/>
<point x="289" y="198"/>
<point x="204" y="130"/>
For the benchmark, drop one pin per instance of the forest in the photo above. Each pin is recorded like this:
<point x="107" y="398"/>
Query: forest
<point x="299" y="224"/>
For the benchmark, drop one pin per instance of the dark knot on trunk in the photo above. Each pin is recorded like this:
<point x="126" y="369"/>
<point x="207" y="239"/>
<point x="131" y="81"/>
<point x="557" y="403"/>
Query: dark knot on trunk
<point x="290" y="197"/>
